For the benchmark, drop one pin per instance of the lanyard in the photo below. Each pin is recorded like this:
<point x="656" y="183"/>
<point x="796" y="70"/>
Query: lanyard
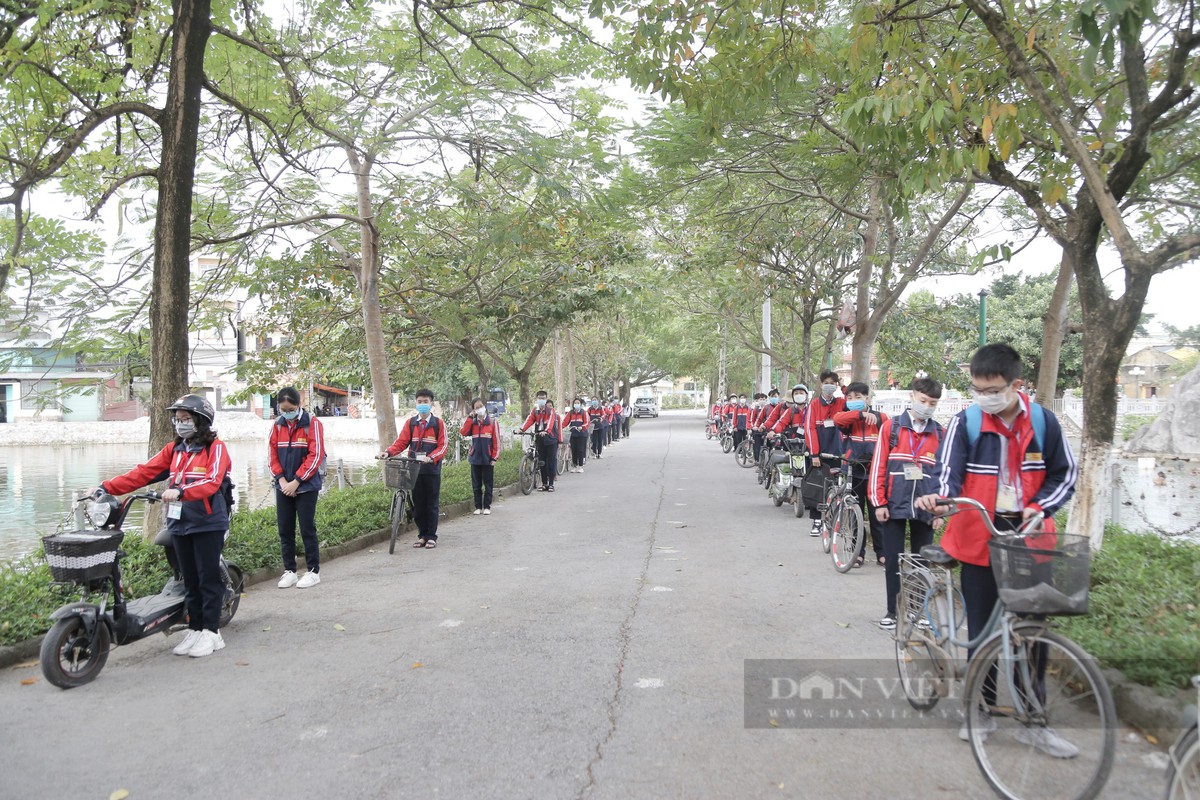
<point x="186" y="467"/>
<point x="916" y="448"/>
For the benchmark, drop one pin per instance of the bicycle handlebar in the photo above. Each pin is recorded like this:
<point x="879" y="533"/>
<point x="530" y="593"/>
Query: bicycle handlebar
<point x="953" y="504"/>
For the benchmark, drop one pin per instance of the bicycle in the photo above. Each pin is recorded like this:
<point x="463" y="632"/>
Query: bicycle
<point x="530" y="473"/>
<point x="1023" y="676"/>
<point x="1183" y="771"/>
<point x="743" y="454"/>
<point x="400" y="475"/>
<point x="711" y="430"/>
<point x="726" y="438"/>
<point x="842" y="525"/>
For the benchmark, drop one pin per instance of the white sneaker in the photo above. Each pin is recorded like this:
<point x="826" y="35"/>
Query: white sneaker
<point x="477" y="511"/>
<point x="189" y="641"/>
<point x="579" y="470"/>
<point x="487" y="512"/>
<point x="288" y="580"/>
<point x="308" y="580"/>
<point x="1047" y="740"/>
<point x="988" y="726"/>
<point x="816" y="528"/>
<point x="207" y="644"/>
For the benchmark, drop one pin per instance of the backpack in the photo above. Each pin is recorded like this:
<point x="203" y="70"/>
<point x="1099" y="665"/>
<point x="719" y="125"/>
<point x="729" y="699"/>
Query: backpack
<point x="227" y="488"/>
<point x="894" y="438"/>
<point x="1037" y="417"/>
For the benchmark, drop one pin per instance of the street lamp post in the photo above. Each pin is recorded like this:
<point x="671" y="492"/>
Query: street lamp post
<point x="983" y="293"/>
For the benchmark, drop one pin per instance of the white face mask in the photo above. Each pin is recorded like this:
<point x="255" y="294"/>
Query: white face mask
<point x="920" y="410"/>
<point x="481" y="412"/>
<point x="828" y="389"/>
<point x="993" y="404"/>
<point x="800" y="398"/>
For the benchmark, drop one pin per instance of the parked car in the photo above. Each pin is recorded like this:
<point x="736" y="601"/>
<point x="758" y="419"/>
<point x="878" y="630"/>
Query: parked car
<point x="645" y="407"/>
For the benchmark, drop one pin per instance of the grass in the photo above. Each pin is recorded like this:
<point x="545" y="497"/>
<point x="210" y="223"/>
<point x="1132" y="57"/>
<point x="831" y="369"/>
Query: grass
<point x="27" y="596"/>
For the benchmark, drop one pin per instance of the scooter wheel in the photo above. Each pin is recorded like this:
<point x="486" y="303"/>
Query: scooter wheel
<point x="69" y="658"/>
<point x="233" y="595"/>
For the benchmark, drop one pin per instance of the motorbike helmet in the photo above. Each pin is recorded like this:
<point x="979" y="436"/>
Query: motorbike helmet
<point x="196" y="405"/>
<point x="800" y="387"/>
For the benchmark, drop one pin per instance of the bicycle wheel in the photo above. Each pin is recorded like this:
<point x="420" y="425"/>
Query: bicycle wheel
<point x="564" y="458"/>
<point x="920" y="672"/>
<point x="527" y="476"/>
<point x="847" y="527"/>
<point x="397" y="515"/>
<point x="708" y="433"/>
<point x="1059" y="743"/>
<point x="726" y="444"/>
<point x="826" y="536"/>
<point x="745" y="454"/>
<point x="1183" y="773"/>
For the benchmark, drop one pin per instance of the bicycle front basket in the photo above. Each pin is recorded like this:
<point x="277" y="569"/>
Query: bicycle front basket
<point x="81" y="556"/>
<point x="1043" y="573"/>
<point x="401" y="475"/>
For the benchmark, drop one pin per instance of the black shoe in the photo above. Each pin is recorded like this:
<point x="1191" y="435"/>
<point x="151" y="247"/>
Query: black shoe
<point x="550" y="489"/>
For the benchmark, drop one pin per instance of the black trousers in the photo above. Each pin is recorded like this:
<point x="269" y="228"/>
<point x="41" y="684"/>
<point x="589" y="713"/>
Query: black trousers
<point x="757" y="438"/>
<point x="482" y="478"/>
<point x="426" y="495"/>
<point x="579" y="449"/>
<point x="287" y="510"/>
<point x="739" y="436"/>
<point x="548" y="453"/>
<point x="919" y="533"/>
<point x="616" y="429"/>
<point x="598" y="440"/>
<point x="858" y="473"/>
<point x="625" y="426"/>
<point x="199" y="557"/>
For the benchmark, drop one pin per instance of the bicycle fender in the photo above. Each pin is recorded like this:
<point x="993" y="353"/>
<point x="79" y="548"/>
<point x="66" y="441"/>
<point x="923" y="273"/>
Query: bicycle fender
<point x="88" y="612"/>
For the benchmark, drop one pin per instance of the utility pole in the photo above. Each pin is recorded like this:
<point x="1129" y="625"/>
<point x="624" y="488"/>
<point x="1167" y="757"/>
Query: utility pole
<point x="764" y="385"/>
<point x="721" y="366"/>
<point x="983" y="293"/>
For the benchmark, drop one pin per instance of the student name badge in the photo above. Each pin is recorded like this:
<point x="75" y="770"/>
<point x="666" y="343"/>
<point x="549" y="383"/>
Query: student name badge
<point x="828" y="423"/>
<point x="174" y="510"/>
<point x="1006" y="500"/>
<point x="913" y="472"/>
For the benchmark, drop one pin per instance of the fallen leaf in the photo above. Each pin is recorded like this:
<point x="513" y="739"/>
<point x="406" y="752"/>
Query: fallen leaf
<point x="485" y="606"/>
<point x="781" y="786"/>
<point x="1151" y="739"/>
<point x="417" y="665"/>
<point x="25" y="665"/>
<point x="781" y="563"/>
<point x="774" y="723"/>
<point x="844" y="624"/>
<point x="28" y="681"/>
<point x="608" y="552"/>
<point x="266" y="629"/>
<point x="119" y="794"/>
<point x="339" y="626"/>
<point x="242" y="663"/>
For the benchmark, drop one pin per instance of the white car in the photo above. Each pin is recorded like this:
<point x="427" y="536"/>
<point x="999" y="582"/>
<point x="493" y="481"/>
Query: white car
<point x="645" y="407"/>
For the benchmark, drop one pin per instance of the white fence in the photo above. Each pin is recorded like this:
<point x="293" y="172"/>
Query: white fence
<point x="1068" y="407"/>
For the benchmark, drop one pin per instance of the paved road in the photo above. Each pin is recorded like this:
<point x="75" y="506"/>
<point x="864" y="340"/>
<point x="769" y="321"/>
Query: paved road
<point x="589" y="643"/>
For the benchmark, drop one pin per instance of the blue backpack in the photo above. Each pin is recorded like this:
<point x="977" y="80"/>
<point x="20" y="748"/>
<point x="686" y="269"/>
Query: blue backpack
<point x="1037" y="417"/>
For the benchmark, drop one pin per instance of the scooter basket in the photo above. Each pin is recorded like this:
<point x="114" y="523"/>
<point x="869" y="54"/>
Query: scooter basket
<point x="1043" y="573"/>
<point x="400" y="474"/>
<point x="81" y="556"/>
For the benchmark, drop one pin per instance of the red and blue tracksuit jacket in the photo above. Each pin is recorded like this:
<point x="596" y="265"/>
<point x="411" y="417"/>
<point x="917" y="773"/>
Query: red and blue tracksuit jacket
<point x="485" y="439"/>
<point x="858" y="435"/>
<point x="889" y="487"/>
<point x="773" y="414"/>
<point x="577" y="422"/>
<point x="198" y="472"/>
<point x="1046" y="483"/>
<point x="821" y="433"/>
<point x="297" y="451"/>
<point x="790" y="419"/>
<point x="596" y="417"/>
<point x="422" y="436"/>
<point x="741" y="417"/>
<point x="544" y="421"/>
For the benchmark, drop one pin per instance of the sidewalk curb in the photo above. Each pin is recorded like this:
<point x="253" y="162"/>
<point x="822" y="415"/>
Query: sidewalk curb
<point x="1144" y="708"/>
<point x="28" y="649"/>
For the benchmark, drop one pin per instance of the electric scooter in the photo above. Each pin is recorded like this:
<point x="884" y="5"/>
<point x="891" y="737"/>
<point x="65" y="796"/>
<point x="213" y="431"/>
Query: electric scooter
<point x="784" y="480"/>
<point x="77" y="646"/>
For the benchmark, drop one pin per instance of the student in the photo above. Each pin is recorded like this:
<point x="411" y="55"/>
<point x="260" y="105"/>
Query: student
<point x="296" y="452"/>
<point x="727" y="409"/>
<point x="1020" y="467"/>
<point x="424" y="437"/>
<point x="759" y="410"/>
<point x="791" y="424"/>
<point x="741" y="421"/>
<point x="859" y="424"/>
<point x="617" y="418"/>
<point x="901" y="471"/>
<point x="545" y="424"/>
<point x="577" y="421"/>
<point x="596" y="424"/>
<point x="774" y="410"/>
<point x="484" y="430"/>
<point x="626" y="420"/>
<point x="821" y="434"/>
<point x="196" y="466"/>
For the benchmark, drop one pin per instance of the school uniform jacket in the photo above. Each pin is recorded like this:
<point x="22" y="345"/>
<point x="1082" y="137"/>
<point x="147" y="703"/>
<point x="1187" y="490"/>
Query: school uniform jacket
<point x="545" y="420"/>
<point x="819" y="437"/>
<point x="198" y="472"/>
<point x="741" y="417"/>
<point x="428" y="437"/>
<point x="888" y="485"/>
<point x="790" y="418"/>
<point x="1046" y="482"/>
<point x="485" y="439"/>
<point x="577" y="422"/>
<point x="596" y="417"/>
<point x="773" y="414"/>
<point x="858" y="435"/>
<point x="297" y="451"/>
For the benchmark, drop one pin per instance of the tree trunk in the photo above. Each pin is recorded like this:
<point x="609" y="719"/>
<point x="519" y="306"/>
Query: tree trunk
<point x="368" y="284"/>
<point x="572" y="387"/>
<point x="865" y="335"/>
<point x="826" y="355"/>
<point x="863" y="343"/>
<point x="559" y="383"/>
<point x="522" y="379"/>
<point x="1054" y="329"/>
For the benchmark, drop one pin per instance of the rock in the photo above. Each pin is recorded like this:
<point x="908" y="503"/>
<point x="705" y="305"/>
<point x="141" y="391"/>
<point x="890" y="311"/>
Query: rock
<point x="1175" y="431"/>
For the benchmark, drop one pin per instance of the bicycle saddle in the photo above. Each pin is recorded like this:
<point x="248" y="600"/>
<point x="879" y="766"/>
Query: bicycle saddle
<point x="934" y="554"/>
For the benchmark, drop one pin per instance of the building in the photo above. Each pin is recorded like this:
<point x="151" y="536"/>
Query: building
<point x="39" y="381"/>
<point x="1152" y="370"/>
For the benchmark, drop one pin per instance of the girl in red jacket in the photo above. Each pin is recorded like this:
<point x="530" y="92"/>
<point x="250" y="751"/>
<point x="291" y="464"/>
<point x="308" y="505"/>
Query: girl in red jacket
<point x="485" y="449"/>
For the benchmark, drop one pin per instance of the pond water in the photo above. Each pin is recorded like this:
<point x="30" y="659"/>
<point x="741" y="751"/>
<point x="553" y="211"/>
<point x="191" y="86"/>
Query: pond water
<point x="37" y="484"/>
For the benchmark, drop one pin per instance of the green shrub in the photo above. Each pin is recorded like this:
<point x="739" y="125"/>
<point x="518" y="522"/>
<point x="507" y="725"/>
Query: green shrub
<point x="1145" y="610"/>
<point x="27" y="597"/>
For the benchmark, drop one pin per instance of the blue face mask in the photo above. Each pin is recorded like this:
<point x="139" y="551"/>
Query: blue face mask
<point x="856" y="405"/>
<point x="578" y="407"/>
<point x="773" y="401"/>
<point x="290" y="415"/>
<point x="594" y="404"/>
<point x="424" y="408"/>
<point x="540" y="403"/>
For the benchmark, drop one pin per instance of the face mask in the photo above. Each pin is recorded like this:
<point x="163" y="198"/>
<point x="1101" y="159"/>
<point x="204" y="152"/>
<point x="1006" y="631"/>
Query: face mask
<point x="920" y="411"/>
<point x="424" y="408"/>
<point x="800" y="399"/>
<point x="594" y="404"/>
<point x="290" y="415"/>
<point x="773" y="401"/>
<point x="481" y="412"/>
<point x="185" y="430"/>
<point x="741" y="401"/>
<point x="856" y="405"/>
<point x="827" y="389"/>
<point x="578" y="406"/>
<point x="993" y="404"/>
<point x="540" y="403"/>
